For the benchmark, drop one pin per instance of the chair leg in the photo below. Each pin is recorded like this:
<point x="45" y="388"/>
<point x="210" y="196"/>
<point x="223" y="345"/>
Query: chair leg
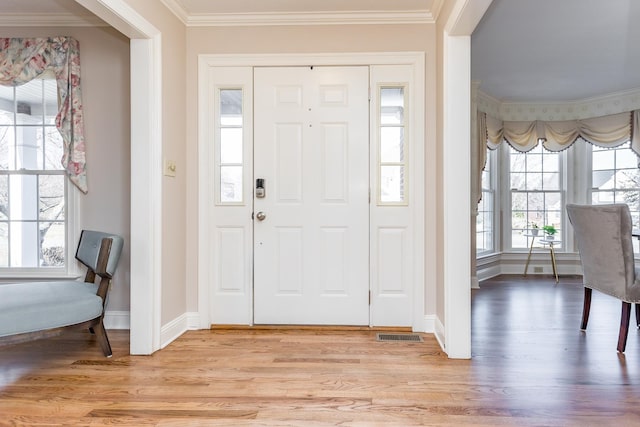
<point x="101" y="335"/>
<point x="586" y="307"/>
<point x="637" y="315"/>
<point x="624" y="326"/>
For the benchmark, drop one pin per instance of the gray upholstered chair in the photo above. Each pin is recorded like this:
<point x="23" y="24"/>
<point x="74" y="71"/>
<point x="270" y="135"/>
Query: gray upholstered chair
<point x="603" y="236"/>
<point x="31" y="310"/>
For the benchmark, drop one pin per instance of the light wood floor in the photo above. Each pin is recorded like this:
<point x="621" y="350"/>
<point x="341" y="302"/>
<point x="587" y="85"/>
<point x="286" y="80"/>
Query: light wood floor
<point x="532" y="366"/>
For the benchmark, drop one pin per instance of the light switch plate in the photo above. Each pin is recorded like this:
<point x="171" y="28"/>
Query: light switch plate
<point x="170" y="168"/>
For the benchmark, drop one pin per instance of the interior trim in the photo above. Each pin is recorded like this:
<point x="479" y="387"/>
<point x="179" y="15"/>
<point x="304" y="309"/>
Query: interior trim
<point x="303" y="18"/>
<point x="612" y="103"/>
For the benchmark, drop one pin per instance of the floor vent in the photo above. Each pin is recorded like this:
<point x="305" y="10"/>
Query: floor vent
<point x="398" y="337"/>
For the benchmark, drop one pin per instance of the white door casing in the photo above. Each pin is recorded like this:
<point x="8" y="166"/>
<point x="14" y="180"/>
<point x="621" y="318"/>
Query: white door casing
<point x="311" y="231"/>
<point x="397" y="277"/>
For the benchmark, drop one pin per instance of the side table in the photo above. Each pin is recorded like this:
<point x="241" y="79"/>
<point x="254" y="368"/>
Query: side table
<point x="545" y="242"/>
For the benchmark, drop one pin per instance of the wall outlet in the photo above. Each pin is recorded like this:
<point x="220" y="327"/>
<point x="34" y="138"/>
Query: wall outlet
<point x="538" y="270"/>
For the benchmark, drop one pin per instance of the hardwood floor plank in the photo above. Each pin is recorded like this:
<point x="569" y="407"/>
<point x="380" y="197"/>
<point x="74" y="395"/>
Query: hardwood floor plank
<point x="172" y="413"/>
<point x="531" y="366"/>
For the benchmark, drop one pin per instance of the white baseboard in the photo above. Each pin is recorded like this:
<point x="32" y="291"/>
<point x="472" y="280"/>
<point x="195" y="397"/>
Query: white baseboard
<point x="429" y="324"/>
<point x="439" y="333"/>
<point x="178" y="326"/>
<point x="475" y="283"/>
<point x="488" y="272"/>
<point x="433" y="325"/>
<point x="193" y="320"/>
<point x="172" y="330"/>
<point x="117" y="320"/>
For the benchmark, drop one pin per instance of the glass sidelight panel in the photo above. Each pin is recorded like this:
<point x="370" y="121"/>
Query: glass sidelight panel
<point x="392" y="147"/>
<point x="230" y="146"/>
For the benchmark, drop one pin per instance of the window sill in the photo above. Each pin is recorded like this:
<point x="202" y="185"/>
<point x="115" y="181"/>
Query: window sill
<point x="35" y="277"/>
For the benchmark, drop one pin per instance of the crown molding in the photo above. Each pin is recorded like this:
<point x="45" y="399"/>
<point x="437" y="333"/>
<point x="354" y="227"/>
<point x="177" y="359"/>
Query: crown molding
<point x="49" y="20"/>
<point x="177" y="9"/>
<point x="311" y="18"/>
<point x="436" y="8"/>
<point x="300" y="18"/>
<point x="613" y="103"/>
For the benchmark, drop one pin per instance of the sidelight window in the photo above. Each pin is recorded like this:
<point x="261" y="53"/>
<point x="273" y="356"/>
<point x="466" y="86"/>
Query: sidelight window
<point x="230" y="146"/>
<point x="392" y="147"/>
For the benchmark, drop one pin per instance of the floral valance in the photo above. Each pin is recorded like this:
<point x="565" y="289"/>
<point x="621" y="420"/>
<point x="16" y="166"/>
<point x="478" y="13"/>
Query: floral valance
<point x="605" y="131"/>
<point x="22" y="60"/>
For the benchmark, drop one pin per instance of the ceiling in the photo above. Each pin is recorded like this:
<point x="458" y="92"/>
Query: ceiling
<point x="547" y="51"/>
<point x="522" y="50"/>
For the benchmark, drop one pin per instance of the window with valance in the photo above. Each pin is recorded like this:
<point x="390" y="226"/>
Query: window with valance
<point x="24" y="59"/>
<point x="606" y="131"/>
<point x="41" y="145"/>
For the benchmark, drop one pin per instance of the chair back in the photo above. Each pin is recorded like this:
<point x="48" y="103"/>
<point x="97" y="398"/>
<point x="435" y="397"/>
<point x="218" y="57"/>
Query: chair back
<point x="100" y="255"/>
<point x="603" y="236"/>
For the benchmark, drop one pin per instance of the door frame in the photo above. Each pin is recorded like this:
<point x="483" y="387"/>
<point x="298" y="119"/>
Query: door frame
<point x="416" y="61"/>
<point x="146" y="170"/>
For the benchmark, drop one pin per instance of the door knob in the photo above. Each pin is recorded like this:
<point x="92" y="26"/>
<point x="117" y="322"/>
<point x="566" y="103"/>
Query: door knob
<point x="261" y="216"/>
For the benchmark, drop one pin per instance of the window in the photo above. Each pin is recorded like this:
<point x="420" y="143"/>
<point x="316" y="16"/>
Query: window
<point x="484" y="220"/>
<point x="33" y="184"/>
<point x="615" y="178"/>
<point x="229" y="151"/>
<point x="535" y="181"/>
<point x="392" y="147"/>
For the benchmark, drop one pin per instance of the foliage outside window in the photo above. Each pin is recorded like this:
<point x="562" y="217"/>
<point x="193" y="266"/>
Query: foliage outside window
<point x="536" y="193"/>
<point x="33" y="188"/>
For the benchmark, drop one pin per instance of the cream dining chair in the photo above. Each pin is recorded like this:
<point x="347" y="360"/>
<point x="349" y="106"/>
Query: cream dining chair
<point x="603" y="236"/>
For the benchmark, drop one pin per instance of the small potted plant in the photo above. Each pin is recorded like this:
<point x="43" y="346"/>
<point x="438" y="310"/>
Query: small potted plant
<point x="549" y="231"/>
<point x="534" y="229"/>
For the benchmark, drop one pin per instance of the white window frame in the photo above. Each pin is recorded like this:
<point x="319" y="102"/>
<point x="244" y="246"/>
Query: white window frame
<point x="494" y="188"/>
<point x="507" y="202"/>
<point x="218" y="147"/>
<point x="406" y="144"/>
<point x="72" y="268"/>
<point x="589" y="189"/>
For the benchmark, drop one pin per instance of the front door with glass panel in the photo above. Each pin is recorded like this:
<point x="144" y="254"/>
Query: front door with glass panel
<point x="311" y="198"/>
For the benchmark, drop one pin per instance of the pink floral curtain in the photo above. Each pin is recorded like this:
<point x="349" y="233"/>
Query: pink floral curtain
<point x="23" y="59"/>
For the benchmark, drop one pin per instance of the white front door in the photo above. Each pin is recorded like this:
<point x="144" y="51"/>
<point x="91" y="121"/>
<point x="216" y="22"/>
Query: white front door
<point x="311" y="230"/>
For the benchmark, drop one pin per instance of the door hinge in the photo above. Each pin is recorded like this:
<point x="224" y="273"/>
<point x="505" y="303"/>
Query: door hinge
<point x="369" y="196"/>
<point x="369" y="297"/>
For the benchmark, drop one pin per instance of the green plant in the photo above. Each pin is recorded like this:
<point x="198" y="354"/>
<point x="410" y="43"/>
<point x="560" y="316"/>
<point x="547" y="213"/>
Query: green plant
<point x="549" y="230"/>
<point x="534" y="226"/>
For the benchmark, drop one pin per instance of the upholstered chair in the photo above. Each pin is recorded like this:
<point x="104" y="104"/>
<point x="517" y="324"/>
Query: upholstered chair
<point x="603" y="234"/>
